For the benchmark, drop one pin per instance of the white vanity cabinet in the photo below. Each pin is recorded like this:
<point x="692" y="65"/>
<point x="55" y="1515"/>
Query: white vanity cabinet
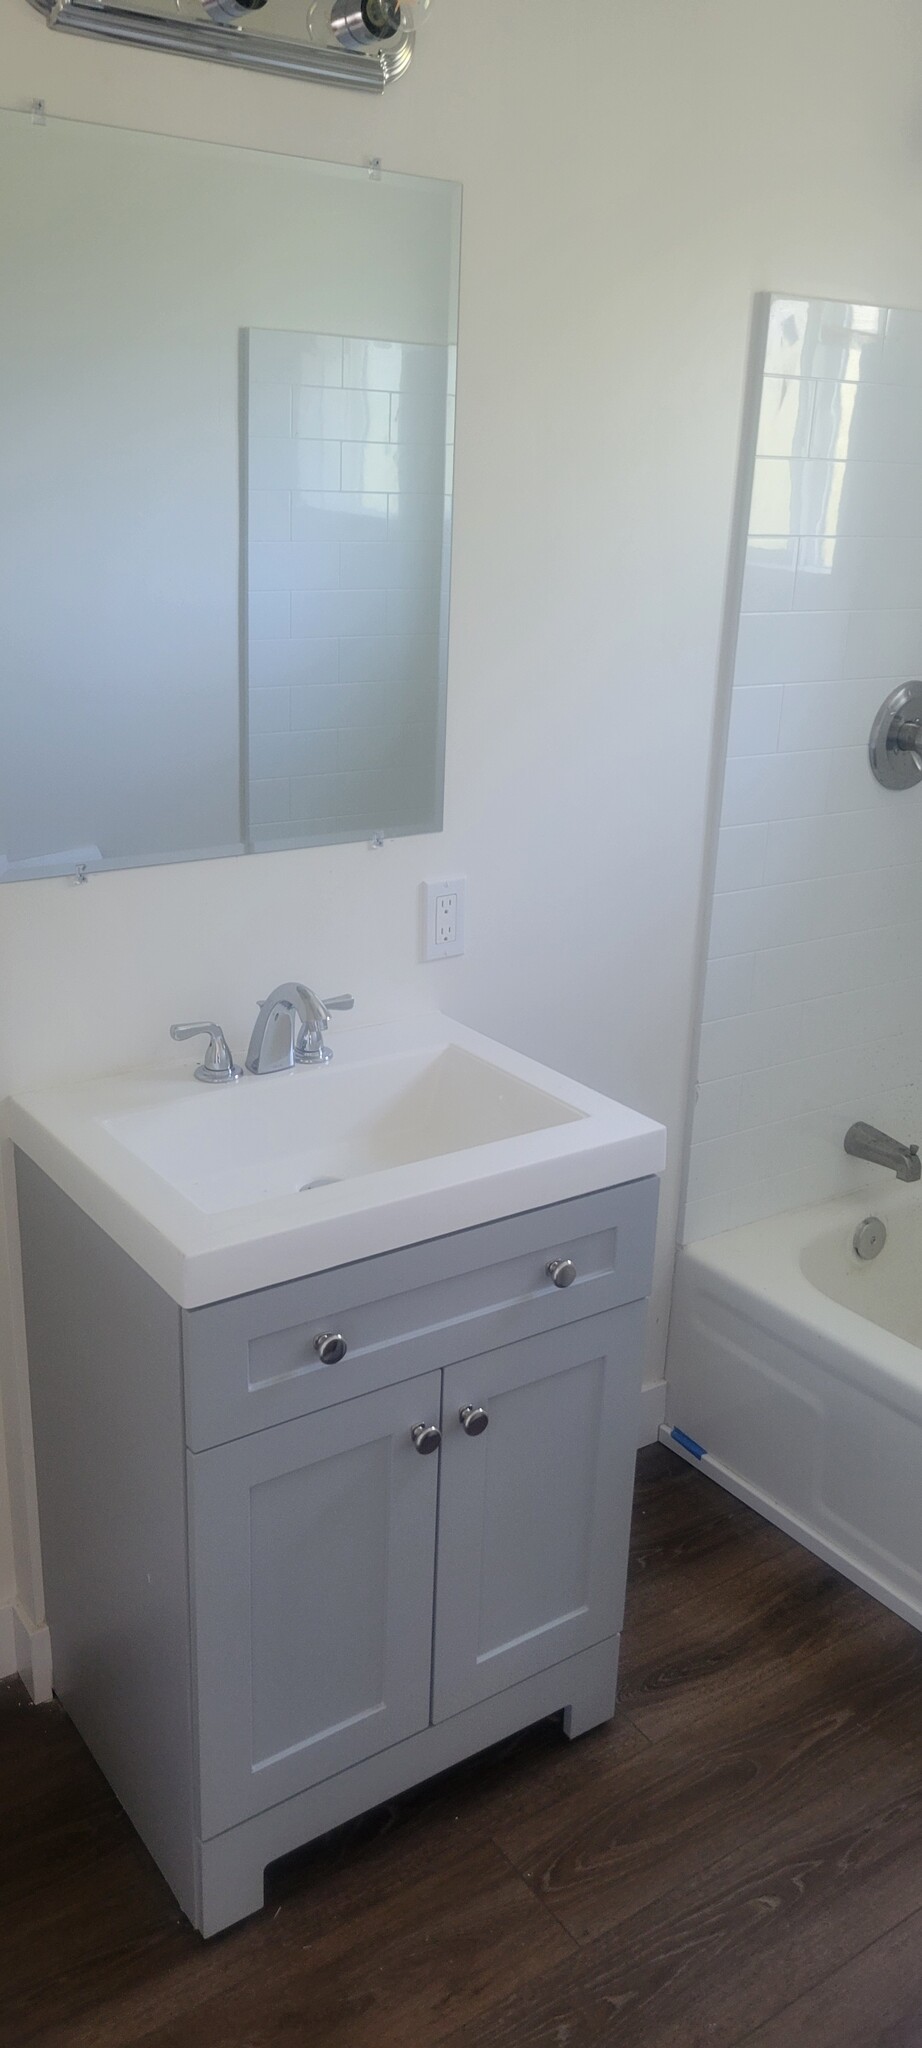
<point x="280" y="1589"/>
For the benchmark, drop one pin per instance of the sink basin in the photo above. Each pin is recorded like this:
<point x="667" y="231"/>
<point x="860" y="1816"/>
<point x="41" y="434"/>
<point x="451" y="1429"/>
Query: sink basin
<point x="358" y="1117"/>
<point x="412" y="1132"/>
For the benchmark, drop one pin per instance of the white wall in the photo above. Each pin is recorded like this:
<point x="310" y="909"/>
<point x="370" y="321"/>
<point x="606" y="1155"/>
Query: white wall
<point x="814" y="981"/>
<point x="624" y="199"/>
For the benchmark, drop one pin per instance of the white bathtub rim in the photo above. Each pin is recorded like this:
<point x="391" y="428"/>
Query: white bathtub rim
<point x="760" y="1263"/>
<point x="834" y="1554"/>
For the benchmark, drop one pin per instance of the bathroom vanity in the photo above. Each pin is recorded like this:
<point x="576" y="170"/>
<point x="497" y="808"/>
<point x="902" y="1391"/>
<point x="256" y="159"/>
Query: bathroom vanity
<point x="308" y="1541"/>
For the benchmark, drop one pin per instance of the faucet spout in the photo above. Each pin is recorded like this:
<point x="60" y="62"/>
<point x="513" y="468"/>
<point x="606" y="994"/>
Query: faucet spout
<point x="865" y="1141"/>
<point x="289" y="1029"/>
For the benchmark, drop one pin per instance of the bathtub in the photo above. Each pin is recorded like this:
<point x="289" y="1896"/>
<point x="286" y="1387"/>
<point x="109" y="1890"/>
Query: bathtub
<point x="795" y="1381"/>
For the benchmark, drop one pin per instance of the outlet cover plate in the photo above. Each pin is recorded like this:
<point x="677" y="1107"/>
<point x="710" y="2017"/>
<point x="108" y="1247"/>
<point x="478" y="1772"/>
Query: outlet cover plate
<point x="442" y="919"/>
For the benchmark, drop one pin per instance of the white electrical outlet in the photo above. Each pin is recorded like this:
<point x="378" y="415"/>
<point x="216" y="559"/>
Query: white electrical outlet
<point x="442" y="906"/>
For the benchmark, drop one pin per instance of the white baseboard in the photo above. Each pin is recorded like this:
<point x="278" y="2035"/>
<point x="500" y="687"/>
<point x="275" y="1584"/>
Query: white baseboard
<point x="32" y="1654"/>
<point x="7" y="1643"/>
<point x="652" y="1413"/>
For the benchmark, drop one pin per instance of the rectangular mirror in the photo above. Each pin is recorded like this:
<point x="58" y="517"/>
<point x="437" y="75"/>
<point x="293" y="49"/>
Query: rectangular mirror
<point x="226" y="415"/>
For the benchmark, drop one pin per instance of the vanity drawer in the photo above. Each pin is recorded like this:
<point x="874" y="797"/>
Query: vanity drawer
<point x="253" y="1361"/>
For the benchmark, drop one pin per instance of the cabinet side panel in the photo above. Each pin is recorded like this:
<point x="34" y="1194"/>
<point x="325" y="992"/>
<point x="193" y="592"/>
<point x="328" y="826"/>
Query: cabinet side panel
<point x="105" y="1372"/>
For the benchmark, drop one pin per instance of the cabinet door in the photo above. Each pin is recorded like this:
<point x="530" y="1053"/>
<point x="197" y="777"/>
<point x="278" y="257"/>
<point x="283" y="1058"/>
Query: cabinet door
<point x="534" y="1513"/>
<point x="313" y="1548"/>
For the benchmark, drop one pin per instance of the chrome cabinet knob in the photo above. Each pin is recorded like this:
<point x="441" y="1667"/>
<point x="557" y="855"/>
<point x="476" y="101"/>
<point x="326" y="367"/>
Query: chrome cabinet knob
<point x="330" y="1349"/>
<point x="562" y="1272"/>
<point x="474" y="1421"/>
<point x="427" y="1438"/>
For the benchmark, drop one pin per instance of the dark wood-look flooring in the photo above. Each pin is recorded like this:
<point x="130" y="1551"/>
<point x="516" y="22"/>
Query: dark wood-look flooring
<point x="736" y="1859"/>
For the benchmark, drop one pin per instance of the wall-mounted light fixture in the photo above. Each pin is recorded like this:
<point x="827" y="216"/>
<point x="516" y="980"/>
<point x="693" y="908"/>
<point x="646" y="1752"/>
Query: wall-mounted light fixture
<point x="362" y="44"/>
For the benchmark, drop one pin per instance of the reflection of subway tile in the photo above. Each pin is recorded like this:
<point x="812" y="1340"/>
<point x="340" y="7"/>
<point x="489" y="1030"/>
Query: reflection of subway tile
<point x="270" y="516"/>
<point x="289" y="566"/>
<point x="359" y="748"/>
<point x="365" y="660"/>
<point x="316" y="707"/>
<point x="389" y="657"/>
<point x="292" y="753"/>
<point x="325" y="613"/>
<point x="269" y="408"/>
<point x="903" y="345"/>
<point x="287" y="356"/>
<point x="338" y="516"/>
<point x="786" y="416"/>
<point x="278" y="465"/>
<point x="417" y="515"/>
<point x="269" y="710"/>
<point x="415" y="610"/>
<point x="370" y="468"/>
<point x="358" y="707"/>
<point x="401" y="466"/>
<point x="391" y="565"/>
<point x="341" y="415"/>
<point x="825" y="338"/>
<point x="365" y="565"/>
<point x="394" y="366"/>
<point x="419" y="416"/>
<point x="268" y="802"/>
<point x="831" y="499"/>
<point x="284" y="664"/>
<point x="346" y="801"/>
<point x="269" y="615"/>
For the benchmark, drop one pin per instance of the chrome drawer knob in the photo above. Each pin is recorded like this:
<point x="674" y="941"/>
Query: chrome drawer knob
<point x="474" y="1421"/>
<point x="331" y="1350"/>
<point x="562" y="1272"/>
<point x="427" y="1438"/>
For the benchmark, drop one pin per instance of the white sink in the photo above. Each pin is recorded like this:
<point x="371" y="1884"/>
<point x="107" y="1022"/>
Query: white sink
<point x="413" y="1131"/>
<point x="358" y="1117"/>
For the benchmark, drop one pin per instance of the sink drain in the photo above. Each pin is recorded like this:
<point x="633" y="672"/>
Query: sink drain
<point x="324" y="1180"/>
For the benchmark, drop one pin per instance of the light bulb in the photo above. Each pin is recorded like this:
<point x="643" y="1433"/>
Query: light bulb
<point x="228" y="13"/>
<point x="362" y="24"/>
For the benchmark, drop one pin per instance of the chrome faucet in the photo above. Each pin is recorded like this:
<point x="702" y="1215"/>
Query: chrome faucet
<point x="219" y="1063"/>
<point x="865" y="1141"/>
<point x="289" y="1029"/>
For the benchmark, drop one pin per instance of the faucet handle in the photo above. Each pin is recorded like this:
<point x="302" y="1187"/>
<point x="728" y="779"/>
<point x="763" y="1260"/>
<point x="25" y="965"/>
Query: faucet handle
<point x="310" y="1050"/>
<point x="219" y="1063"/>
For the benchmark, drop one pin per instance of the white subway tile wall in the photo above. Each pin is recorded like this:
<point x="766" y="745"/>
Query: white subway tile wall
<point x="813" y="993"/>
<point x="348" y="460"/>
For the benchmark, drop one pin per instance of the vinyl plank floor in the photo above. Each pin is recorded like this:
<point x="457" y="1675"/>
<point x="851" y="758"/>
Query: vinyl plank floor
<point x="736" y="1859"/>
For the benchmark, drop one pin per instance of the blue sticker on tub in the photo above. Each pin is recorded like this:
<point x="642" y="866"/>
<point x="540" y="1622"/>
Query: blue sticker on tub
<point x="688" y="1444"/>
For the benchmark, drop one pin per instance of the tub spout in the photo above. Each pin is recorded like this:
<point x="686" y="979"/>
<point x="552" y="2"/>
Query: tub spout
<point x="864" y="1141"/>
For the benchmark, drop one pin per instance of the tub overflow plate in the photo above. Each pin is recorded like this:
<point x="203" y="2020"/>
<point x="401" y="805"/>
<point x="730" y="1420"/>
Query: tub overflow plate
<point x="870" y="1237"/>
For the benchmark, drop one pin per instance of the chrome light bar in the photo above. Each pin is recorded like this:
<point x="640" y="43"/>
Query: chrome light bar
<point x="241" y="43"/>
